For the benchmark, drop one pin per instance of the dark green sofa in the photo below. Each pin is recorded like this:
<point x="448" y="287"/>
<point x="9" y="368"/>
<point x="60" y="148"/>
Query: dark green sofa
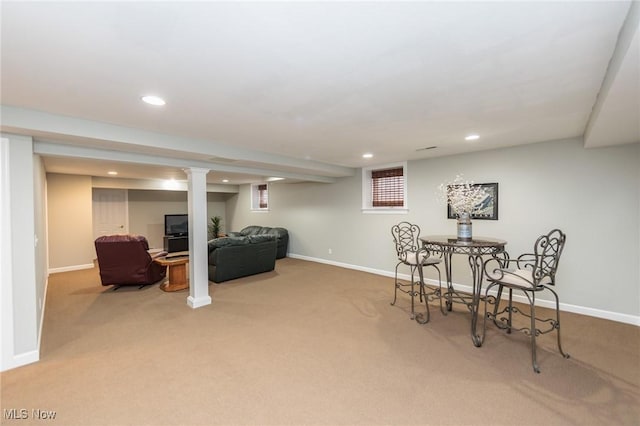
<point x="235" y="257"/>
<point x="281" y="234"/>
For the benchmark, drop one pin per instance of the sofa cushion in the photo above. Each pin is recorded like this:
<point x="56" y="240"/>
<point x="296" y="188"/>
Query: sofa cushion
<point x="279" y="232"/>
<point x="227" y="241"/>
<point x="251" y="230"/>
<point x="239" y="260"/>
<point x="281" y="235"/>
<point x="260" y="238"/>
<point x="264" y="231"/>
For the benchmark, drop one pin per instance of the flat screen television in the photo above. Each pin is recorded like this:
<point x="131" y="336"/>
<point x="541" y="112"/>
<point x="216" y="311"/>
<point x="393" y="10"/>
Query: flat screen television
<point x="176" y="225"/>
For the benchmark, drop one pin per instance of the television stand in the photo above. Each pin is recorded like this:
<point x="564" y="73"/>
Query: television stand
<point x="173" y="244"/>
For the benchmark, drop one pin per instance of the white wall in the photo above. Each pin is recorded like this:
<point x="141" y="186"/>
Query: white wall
<point x="147" y="209"/>
<point x="69" y="222"/>
<point x="592" y="195"/>
<point x="70" y="202"/>
<point x="40" y="222"/>
<point x="20" y="289"/>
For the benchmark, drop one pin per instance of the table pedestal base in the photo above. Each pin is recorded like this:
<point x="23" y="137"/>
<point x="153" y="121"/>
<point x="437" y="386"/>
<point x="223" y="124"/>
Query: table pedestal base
<point x="177" y="274"/>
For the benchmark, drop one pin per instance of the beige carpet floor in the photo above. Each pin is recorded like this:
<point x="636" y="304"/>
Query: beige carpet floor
<point x="308" y="344"/>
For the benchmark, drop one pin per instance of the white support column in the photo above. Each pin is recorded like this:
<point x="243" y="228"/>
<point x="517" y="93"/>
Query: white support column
<point x="18" y="296"/>
<point x="198" y="256"/>
<point x="6" y="280"/>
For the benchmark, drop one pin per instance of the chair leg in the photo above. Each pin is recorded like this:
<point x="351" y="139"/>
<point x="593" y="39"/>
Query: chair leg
<point x="557" y="324"/>
<point x="444" y="312"/>
<point x="426" y="299"/>
<point x="413" y="293"/>
<point x="395" y="286"/>
<point x="532" y="331"/>
<point x="532" y="304"/>
<point x="510" y="310"/>
<point x="495" y="309"/>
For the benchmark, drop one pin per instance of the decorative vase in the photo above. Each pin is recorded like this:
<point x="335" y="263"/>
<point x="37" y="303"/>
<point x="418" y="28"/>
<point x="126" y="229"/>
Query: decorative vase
<point x="464" y="227"/>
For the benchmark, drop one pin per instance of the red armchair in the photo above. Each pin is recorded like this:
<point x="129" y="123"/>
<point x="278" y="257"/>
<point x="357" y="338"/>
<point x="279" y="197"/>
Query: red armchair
<point x="125" y="260"/>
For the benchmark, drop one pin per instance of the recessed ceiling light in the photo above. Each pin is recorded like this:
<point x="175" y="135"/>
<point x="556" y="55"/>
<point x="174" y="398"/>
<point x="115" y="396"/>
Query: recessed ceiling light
<point x="225" y="180"/>
<point x="472" y="138"/>
<point x="273" y="179"/>
<point x="153" y="100"/>
<point x="112" y="172"/>
<point x="367" y="155"/>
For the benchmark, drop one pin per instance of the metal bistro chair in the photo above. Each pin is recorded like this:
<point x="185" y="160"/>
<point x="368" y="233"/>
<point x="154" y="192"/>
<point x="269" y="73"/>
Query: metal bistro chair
<point x="533" y="272"/>
<point x="410" y="253"/>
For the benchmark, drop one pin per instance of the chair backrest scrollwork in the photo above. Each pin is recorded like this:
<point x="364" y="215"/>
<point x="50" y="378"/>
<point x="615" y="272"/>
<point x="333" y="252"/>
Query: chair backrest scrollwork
<point x="547" y="251"/>
<point x="405" y="236"/>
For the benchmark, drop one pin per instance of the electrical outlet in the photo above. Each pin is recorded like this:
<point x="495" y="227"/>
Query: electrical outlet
<point x="330" y="251"/>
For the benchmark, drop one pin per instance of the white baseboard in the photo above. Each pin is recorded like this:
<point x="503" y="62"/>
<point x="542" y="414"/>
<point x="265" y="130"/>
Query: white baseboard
<point x="22" y="359"/>
<point x="583" y="310"/>
<point x="71" y="268"/>
<point x="342" y="265"/>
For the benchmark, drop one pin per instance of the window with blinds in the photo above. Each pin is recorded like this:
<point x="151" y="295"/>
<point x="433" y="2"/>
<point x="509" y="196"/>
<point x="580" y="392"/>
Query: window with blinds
<point x="387" y="187"/>
<point x="260" y="196"/>
<point x="384" y="189"/>
<point x="263" y="196"/>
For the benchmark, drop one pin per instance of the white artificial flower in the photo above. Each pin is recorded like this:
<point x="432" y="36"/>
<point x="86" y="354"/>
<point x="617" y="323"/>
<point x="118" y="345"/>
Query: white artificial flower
<point x="462" y="196"/>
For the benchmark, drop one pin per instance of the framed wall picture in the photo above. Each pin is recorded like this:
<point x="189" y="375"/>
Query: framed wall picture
<point x="487" y="209"/>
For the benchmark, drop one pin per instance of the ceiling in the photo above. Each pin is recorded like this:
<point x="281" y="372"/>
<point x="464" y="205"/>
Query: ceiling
<point x="303" y="90"/>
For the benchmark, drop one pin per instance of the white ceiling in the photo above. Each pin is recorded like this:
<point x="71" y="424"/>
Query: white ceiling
<point x="308" y="87"/>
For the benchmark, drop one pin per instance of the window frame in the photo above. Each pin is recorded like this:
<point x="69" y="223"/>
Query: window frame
<point x="367" y="189"/>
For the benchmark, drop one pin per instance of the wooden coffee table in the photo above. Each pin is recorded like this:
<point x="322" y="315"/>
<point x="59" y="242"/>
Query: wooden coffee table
<point x="177" y="272"/>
